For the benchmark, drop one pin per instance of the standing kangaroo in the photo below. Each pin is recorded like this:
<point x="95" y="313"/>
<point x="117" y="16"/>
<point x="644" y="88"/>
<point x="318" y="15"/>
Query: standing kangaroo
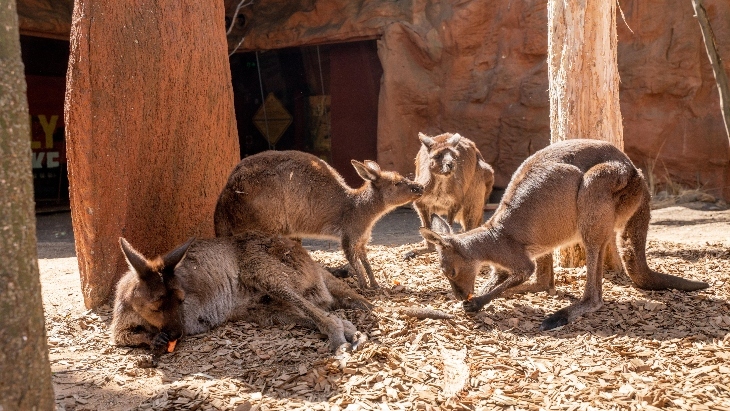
<point x="299" y="195"/>
<point x="202" y="284"/>
<point x="457" y="182"/>
<point x="574" y="190"/>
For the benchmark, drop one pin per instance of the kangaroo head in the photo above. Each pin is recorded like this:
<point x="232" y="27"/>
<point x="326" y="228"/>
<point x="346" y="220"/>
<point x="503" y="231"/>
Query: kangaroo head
<point x="157" y="295"/>
<point x="393" y="187"/>
<point x="459" y="269"/>
<point x="442" y="152"/>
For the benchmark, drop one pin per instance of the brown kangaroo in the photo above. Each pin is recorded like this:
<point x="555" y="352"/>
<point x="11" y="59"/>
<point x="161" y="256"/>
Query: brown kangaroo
<point x="299" y="195"/>
<point x="457" y="182"/>
<point x="204" y="283"/>
<point x="574" y="190"/>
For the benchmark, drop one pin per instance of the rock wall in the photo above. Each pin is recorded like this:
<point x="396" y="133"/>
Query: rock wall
<point x="669" y="98"/>
<point x="479" y="67"/>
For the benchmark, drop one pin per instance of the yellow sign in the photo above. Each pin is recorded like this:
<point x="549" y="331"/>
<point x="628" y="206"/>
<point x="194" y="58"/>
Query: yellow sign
<point x="272" y="119"/>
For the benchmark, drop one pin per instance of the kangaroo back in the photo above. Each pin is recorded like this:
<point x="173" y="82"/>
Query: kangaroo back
<point x="296" y="194"/>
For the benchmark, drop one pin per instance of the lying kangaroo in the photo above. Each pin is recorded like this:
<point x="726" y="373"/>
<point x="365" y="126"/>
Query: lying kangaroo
<point x="299" y="195"/>
<point x="457" y="182"/>
<point x="204" y="283"/>
<point x="574" y="190"/>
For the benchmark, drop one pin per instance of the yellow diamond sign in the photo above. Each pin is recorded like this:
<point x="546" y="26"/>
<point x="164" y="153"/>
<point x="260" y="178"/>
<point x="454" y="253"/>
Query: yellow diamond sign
<point x="272" y="119"/>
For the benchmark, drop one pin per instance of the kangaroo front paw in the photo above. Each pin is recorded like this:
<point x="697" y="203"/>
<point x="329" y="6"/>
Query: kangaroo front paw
<point x="159" y="342"/>
<point x="472" y="306"/>
<point x="553" y="321"/>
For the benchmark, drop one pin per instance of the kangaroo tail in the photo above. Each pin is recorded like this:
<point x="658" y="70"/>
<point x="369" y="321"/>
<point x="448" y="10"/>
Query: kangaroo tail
<point x="632" y="248"/>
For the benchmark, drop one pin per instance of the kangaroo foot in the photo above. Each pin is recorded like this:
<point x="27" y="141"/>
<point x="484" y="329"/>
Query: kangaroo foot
<point x="353" y="336"/>
<point x="337" y="339"/>
<point x="570" y="313"/>
<point x="555" y="320"/>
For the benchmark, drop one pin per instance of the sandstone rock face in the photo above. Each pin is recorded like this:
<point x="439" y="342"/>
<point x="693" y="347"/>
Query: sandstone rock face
<point x="150" y="130"/>
<point x="669" y="98"/>
<point x="45" y="18"/>
<point x="478" y="67"/>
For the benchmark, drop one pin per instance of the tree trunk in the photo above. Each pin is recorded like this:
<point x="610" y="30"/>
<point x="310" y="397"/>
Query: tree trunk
<point x="151" y="133"/>
<point x="720" y="75"/>
<point x="584" y="81"/>
<point x="25" y="381"/>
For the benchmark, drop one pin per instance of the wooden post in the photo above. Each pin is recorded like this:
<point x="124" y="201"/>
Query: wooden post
<point x="583" y="80"/>
<point x="151" y="132"/>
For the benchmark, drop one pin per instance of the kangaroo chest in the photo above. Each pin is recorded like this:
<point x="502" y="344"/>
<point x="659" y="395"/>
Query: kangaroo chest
<point x="443" y="196"/>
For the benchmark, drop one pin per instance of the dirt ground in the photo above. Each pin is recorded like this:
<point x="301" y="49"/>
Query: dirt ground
<point x="642" y="350"/>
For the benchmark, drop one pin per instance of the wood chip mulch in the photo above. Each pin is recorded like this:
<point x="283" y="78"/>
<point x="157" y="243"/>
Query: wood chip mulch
<point x="641" y="351"/>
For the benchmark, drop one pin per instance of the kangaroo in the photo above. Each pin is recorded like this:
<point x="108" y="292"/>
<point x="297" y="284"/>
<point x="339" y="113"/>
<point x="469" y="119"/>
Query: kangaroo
<point x="574" y="190"/>
<point x="202" y="284"/>
<point x="457" y="182"/>
<point x="296" y="194"/>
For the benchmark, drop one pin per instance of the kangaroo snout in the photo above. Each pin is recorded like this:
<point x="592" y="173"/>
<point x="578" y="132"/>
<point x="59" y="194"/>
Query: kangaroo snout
<point x="417" y="189"/>
<point x="459" y="292"/>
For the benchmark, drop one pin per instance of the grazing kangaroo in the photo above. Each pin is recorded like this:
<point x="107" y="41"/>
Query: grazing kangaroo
<point x="457" y="182"/>
<point x="574" y="190"/>
<point x="299" y="195"/>
<point x="204" y="283"/>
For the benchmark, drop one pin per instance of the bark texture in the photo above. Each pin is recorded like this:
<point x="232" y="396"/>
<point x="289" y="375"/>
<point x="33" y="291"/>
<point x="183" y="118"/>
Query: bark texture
<point x="26" y="374"/>
<point x="583" y="82"/>
<point x="150" y="129"/>
<point x="583" y="71"/>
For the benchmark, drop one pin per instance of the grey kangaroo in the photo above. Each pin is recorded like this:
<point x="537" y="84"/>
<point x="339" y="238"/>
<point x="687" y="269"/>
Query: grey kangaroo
<point x="457" y="182"/>
<point x="204" y="283"/>
<point x="297" y="194"/>
<point x="571" y="191"/>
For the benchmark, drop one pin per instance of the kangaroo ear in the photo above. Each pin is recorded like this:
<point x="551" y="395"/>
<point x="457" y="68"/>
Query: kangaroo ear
<point x="433" y="237"/>
<point x="365" y="172"/>
<point x="173" y="258"/>
<point x="440" y="225"/>
<point x="426" y="140"/>
<point x="136" y="261"/>
<point x="454" y="140"/>
<point x="372" y="166"/>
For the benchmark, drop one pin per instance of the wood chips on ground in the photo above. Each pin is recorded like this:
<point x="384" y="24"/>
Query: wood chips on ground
<point x="642" y="350"/>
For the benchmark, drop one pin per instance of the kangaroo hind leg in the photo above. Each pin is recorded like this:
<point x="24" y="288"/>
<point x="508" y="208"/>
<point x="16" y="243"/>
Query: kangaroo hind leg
<point x="596" y="220"/>
<point x="280" y="289"/>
